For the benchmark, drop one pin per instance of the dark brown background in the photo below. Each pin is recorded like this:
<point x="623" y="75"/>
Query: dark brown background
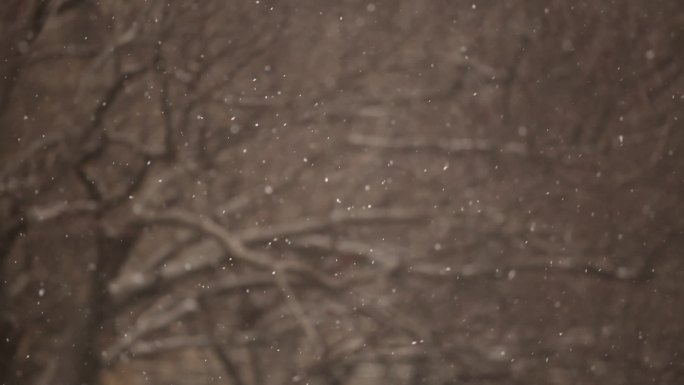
<point x="343" y="193"/>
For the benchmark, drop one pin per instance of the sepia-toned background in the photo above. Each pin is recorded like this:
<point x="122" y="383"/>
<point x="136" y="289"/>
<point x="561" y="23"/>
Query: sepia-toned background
<point x="341" y="192"/>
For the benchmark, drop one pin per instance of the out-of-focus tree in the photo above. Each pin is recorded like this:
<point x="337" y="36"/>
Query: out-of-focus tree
<point x="279" y="192"/>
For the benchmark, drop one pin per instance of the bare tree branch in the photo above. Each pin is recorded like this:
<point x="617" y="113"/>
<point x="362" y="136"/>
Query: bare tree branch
<point x="450" y="146"/>
<point x="337" y="218"/>
<point x="146" y="326"/>
<point x="142" y="349"/>
<point x="60" y="209"/>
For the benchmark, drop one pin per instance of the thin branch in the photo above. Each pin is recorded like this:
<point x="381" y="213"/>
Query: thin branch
<point x="470" y="272"/>
<point x="337" y="218"/>
<point x="134" y="145"/>
<point x="321" y="243"/>
<point x="169" y="251"/>
<point x="657" y="156"/>
<point x="226" y="362"/>
<point x="230" y="243"/>
<point x="61" y="209"/>
<point x="450" y="146"/>
<point x="147" y="326"/>
<point x="246" y="200"/>
<point x="143" y="349"/>
<point x="300" y="315"/>
<point x="135" y="284"/>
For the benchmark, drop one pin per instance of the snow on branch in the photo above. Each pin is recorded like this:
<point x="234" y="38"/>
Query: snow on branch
<point x="64" y="208"/>
<point x="337" y="218"/>
<point x="228" y="241"/>
<point x="232" y="245"/>
<point x="451" y="146"/>
<point x="321" y="243"/>
<point x="470" y="272"/>
<point x="142" y="349"/>
<point x="148" y="325"/>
